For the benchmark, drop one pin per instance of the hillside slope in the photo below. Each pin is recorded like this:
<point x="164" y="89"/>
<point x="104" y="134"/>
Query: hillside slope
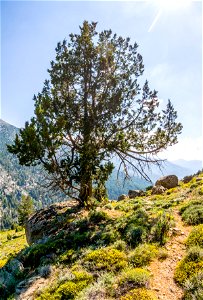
<point x="148" y="248"/>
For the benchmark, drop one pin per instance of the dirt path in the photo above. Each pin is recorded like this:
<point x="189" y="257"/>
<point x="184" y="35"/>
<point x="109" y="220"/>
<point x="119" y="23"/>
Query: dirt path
<point x="162" y="282"/>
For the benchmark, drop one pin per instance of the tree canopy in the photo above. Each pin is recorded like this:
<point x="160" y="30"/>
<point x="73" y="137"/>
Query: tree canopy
<point x="91" y="110"/>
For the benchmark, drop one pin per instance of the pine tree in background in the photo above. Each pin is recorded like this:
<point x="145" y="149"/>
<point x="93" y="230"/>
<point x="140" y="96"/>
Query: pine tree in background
<point x="25" y="209"/>
<point x="91" y="110"/>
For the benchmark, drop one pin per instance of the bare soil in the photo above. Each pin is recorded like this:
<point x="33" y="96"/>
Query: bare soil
<point x="162" y="281"/>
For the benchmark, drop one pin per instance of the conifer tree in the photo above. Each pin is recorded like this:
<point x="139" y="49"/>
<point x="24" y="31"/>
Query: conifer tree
<point x="91" y="110"/>
<point x="25" y="209"/>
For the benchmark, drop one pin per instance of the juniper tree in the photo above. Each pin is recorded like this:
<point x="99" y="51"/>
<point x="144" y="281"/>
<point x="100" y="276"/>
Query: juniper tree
<point x="91" y="110"/>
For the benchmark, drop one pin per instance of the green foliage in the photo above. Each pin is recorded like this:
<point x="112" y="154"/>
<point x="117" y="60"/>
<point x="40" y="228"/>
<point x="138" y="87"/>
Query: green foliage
<point x="98" y="216"/>
<point x="194" y="287"/>
<point x="135" y="235"/>
<point x="190" y="266"/>
<point x="196" y="237"/>
<point x="94" y="80"/>
<point x="161" y="228"/>
<point x="120" y="245"/>
<point x="68" y="289"/>
<point x="135" y="227"/>
<point x="25" y="209"/>
<point x="143" y="255"/>
<point x="106" y="259"/>
<point x="139" y="294"/>
<point x="192" y="212"/>
<point x="131" y="278"/>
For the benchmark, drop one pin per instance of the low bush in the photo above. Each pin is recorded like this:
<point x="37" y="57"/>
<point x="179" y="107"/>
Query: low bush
<point x="196" y="237"/>
<point x="193" y="215"/>
<point x="190" y="266"/>
<point x="139" y="294"/>
<point x="100" y="289"/>
<point x="131" y="278"/>
<point x="195" y="253"/>
<point x="120" y="245"/>
<point x="135" y="235"/>
<point x="142" y="255"/>
<point x="106" y="259"/>
<point x="160" y="230"/>
<point x="98" y="216"/>
<point x="194" y="287"/>
<point x="68" y="289"/>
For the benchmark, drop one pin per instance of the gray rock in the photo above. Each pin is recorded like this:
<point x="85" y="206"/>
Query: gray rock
<point x="48" y="222"/>
<point x="167" y="182"/>
<point x="158" y="190"/>
<point x="122" y="197"/>
<point x="135" y="193"/>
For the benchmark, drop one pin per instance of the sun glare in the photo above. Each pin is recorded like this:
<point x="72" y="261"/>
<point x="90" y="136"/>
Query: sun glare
<point x="171" y="5"/>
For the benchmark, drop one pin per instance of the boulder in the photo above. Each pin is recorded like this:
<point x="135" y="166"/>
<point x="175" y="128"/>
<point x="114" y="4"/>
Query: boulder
<point x="167" y="182"/>
<point x="122" y="197"/>
<point x="48" y="222"/>
<point x="135" y="193"/>
<point x="158" y="190"/>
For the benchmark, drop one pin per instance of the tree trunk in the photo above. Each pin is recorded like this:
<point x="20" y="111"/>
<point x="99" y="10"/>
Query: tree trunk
<point x="85" y="190"/>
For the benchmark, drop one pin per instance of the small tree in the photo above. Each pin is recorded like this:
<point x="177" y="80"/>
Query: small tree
<point x="25" y="209"/>
<point x="91" y="110"/>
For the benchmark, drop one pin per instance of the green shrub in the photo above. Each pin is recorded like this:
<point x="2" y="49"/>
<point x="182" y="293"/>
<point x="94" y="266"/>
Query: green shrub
<point x="195" y="253"/>
<point x="189" y="204"/>
<point x="160" y="230"/>
<point x="98" y="216"/>
<point x="194" y="287"/>
<point x="139" y="294"/>
<point x="196" y="237"/>
<point x="142" y="255"/>
<point x="135" y="235"/>
<point x="120" y="245"/>
<point x="193" y="215"/>
<point x="106" y="259"/>
<point x="109" y="236"/>
<point x="68" y="256"/>
<point x="189" y="266"/>
<point x="68" y="289"/>
<point x="100" y="289"/>
<point x="131" y="278"/>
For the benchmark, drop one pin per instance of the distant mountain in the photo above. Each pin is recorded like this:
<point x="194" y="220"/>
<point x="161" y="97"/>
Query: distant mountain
<point x="169" y="168"/>
<point x="193" y="165"/>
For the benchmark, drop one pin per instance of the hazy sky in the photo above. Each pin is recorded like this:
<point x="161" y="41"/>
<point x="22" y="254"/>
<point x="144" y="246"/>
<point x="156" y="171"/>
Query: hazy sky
<point x="168" y="32"/>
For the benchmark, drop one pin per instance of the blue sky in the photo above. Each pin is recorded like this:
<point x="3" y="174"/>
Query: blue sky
<point x="168" y="32"/>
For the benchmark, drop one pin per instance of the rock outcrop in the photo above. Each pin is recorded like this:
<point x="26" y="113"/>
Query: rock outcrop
<point x="167" y="182"/>
<point x="158" y="190"/>
<point x="47" y="222"/>
<point x="122" y="197"/>
<point x="135" y="193"/>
